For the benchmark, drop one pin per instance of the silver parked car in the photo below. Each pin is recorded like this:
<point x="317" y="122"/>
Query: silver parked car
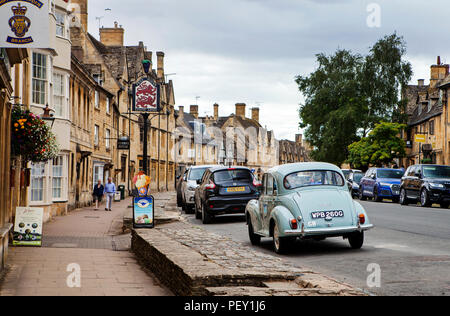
<point x="189" y="184"/>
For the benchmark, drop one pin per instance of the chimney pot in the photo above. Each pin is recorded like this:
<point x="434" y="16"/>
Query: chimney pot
<point x="160" y="65"/>
<point x="421" y="82"/>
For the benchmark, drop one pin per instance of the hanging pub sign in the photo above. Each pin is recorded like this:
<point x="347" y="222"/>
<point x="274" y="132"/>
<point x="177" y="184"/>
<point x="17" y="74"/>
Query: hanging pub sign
<point x="123" y="143"/>
<point x="24" y="24"/>
<point x="146" y="96"/>
<point x="143" y="212"/>
<point x="28" y="226"/>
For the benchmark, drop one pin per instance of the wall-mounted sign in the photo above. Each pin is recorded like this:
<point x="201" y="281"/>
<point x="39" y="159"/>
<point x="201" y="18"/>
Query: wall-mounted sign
<point x="28" y="226"/>
<point x="123" y="143"/>
<point x="143" y="212"/>
<point x="420" y="138"/>
<point x="24" y="24"/>
<point x="146" y="96"/>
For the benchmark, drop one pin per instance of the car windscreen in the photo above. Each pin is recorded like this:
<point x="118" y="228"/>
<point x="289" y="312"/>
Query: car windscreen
<point x="357" y="177"/>
<point x="240" y="175"/>
<point x="390" y="174"/>
<point x="196" y="174"/>
<point x="436" y="172"/>
<point x="313" y="178"/>
<point x="346" y="173"/>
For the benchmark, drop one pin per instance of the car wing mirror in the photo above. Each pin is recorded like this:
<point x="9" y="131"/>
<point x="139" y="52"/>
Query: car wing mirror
<point x="199" y="182"/>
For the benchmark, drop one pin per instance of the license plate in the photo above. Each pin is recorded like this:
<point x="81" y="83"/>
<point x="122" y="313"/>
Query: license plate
<point x="327" y="215"/>
<point x="233" y="190"/>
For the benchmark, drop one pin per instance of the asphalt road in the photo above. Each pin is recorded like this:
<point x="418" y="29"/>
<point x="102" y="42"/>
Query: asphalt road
<point x="410" y="244"/>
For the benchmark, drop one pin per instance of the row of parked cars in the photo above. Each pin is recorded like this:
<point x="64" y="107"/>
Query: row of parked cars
<point x="303" y="200"/>
<point x="427" y="184"/>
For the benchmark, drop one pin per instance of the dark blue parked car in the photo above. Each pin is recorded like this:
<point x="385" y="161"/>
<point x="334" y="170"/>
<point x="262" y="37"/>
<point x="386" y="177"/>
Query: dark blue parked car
<point x="381" y="183"/>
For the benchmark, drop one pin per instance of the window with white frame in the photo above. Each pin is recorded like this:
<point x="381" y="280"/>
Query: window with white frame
<point x="58" y="94"/>
<point x="107" y="138"/>
<point x="97" y="100"/>
<point x="108" y="106"/>
<point x="39" y="81"/>
<point x="37" y="182"/>
<point x="60" y="24"/>
<point x="57" y="177"/>
<point x="96" y="135"/>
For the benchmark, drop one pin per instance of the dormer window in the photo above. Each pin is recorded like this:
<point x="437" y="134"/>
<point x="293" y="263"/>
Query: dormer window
<point x="429" y="105"/>
<point x="419" y="109"/>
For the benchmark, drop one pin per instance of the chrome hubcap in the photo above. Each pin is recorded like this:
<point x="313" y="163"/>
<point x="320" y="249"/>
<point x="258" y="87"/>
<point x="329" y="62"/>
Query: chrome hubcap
<point x="424" y="197"/>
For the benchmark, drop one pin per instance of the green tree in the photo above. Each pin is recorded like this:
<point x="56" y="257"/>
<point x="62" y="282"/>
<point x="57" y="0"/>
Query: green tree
<point x="349" y="93"/>
<point x="381" y="147"/>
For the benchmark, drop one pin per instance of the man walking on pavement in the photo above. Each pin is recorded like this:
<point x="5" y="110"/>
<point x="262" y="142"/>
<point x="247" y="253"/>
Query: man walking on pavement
<point x="110" y="191"/>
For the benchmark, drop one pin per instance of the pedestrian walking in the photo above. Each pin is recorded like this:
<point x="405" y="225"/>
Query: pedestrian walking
<point x="110" y="191"/>
<point x="99" y="192"/>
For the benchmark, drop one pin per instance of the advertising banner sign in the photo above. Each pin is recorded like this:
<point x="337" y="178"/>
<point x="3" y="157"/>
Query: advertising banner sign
<point x="143" y="212"/>
<point x="24" y="24"/>
<point x="28" y="226"/>
<point x="146" y="96"/>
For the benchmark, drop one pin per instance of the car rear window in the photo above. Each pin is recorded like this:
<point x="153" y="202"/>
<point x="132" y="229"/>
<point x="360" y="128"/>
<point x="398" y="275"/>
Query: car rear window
<point x="313" y="178"/>
<point x="240" y="175"/>
<point x="197" y="174"/>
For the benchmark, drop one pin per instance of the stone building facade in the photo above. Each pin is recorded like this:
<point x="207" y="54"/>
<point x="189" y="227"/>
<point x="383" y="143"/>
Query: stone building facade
<point x="428" y="115"/>
<point x="12" y="193"/>
<point x="116" y="67"/>
<point x="229" y="140"/>
<point x="293" y="152"/>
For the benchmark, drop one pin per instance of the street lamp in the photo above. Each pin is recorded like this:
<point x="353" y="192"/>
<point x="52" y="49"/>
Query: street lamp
<point x="47" y="117"/>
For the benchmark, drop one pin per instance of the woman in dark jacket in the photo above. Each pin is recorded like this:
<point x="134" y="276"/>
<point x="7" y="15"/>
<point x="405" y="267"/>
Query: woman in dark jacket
<point x="99" y="191"/>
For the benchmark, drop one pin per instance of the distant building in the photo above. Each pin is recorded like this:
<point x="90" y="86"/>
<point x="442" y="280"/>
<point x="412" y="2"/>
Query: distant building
<point x="292" y="152"/>
<point x="428" y="114"/>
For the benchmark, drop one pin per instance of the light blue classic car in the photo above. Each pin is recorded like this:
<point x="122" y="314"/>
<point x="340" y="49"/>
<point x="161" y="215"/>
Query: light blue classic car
<point x="307" y="201"/>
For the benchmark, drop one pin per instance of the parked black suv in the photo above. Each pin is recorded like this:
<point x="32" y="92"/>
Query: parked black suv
<point x="427" y="184"/>
<point x="224" y="190"/>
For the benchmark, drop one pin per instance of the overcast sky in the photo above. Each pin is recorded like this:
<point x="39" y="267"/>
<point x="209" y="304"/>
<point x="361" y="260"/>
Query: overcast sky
<point x="231" y="51"/>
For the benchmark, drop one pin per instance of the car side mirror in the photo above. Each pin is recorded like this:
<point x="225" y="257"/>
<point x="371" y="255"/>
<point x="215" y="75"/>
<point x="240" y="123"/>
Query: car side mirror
<point x="199" y="181"/>
<point x="418" y="175"/>
<point x="350" y="181"/>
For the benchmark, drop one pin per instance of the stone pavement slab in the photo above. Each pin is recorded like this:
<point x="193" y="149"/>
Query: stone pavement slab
<point x="43" y="272"/>
<point x="193" y="261"/>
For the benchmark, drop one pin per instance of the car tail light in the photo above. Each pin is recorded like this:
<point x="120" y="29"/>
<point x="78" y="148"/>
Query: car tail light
<point x="294" y="224"/>
<point x="362" y="219"/>
<point x="210" y="186"/>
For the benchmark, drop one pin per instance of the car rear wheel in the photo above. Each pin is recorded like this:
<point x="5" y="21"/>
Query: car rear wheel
<point x="376" y="198"/>
<point x="356" y="240"/>
<point x="280" y="244"/>
<point x="206" y="218"/>
<point x="254" y="238"/>
<point x="361" y="194"/>
<point x="403" y="197"/>
<point x="424" y="199"/>
<point x="198" y="214"/>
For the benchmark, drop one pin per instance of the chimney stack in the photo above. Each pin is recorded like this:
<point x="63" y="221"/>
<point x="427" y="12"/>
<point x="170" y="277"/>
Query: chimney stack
<point x="181" y="111"/>
<point x="438" y="72"/>
<point x="81" y="12"/>
<point x="194" y="111"/>
<point x="240" y="110"/>
<point x="255" y="114"/>
<point x="421" y="82"/>
<point x="299" y="139"/>
<point x="112" y="36"/>
<point x="160" y="70"/>
<point x="216" y="111"/>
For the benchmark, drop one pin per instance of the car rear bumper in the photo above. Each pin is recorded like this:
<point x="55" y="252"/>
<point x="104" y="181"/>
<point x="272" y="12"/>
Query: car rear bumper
<point x="329" y="231"/>
<point x="228" y="205"/>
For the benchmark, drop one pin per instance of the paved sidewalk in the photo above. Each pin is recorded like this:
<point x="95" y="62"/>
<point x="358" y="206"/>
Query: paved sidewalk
<point x="93" y="240"/>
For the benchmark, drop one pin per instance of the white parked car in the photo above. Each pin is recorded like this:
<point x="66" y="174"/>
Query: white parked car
<point x="189" y="184"/>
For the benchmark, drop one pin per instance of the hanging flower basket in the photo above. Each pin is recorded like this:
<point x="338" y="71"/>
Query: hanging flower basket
<point x="32" y="139"/>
